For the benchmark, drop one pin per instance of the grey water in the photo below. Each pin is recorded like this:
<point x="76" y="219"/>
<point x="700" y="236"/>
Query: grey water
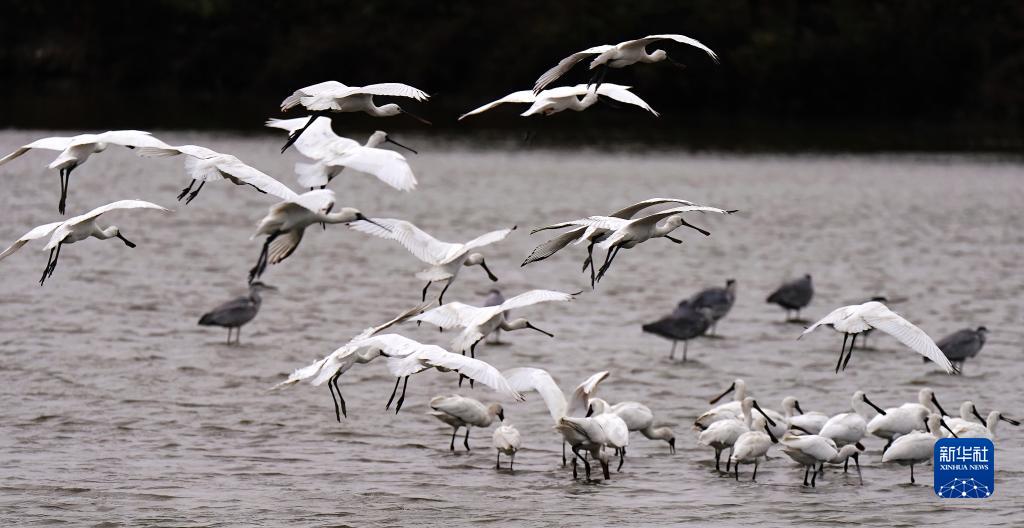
<point x="119" y="410"/>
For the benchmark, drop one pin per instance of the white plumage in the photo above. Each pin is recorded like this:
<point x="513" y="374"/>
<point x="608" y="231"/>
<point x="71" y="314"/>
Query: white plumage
<point x="506" y="439"/>
<point x="918" y="446"/>
<point x="460" y="411"/>
<point x="577" y="98"/>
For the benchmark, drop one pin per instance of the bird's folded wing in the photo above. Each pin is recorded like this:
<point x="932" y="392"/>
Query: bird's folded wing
<point x="524" y="96"/>
<point x="623" y="95"/>
<point x="908" y="334"/>
<point x="35" y="233"/>
<point x="451" y="315"/>
<point x="534" y="297"/>
<point x="252" y="176"/>
<point x="534" y="379"/>
<point x="388" y="166"/>
<point x="583" y="392"/>
<point x="415" y="240"/>
<point x="552" y="246"/>
<point x="678" y="38"/>
<point x="284" y="245"/>
<point x="565" y="65"/>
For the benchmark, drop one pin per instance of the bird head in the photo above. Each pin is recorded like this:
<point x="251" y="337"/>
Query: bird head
<point x="393" y="110"/>
<point x="477" y="259"/>
<point x="521" y="323"/>
<point x="261" y="287"/>
<point x="659" y="55"/>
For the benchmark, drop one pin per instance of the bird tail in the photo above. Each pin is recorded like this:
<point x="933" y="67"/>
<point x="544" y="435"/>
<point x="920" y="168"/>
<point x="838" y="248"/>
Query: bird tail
<point x="312" y="175"/>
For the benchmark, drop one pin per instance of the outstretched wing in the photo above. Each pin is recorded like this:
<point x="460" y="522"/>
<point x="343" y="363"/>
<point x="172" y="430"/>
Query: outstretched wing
<point x="534" y="297"/>
<point x="319" y="140"/>
<point x="552" y="246"/>
<point x="534" y="379"/>
<point x="483" y="240"/>
<point x="35" y="233"/>
<point x="888" y="321"/>
<point x="246" y="174"/>
<point x="128" y="138"/>
<point x="643" y="42"/>
<point x="388" y="89"/>
<point x="623" y="95"/>
<point x="628" y="212"/>
<point x="565" y="65"/>
<point x="415" y="240"/>
<point x="62" y="231"/>
<point x="585" y="391"/>
<point x="311" y="90"/>
<point x="388" y="166"/>
<point x="832" y="318"/>
<point x="50" y="143"/>
<point x="598" y="222"/>
<point x="318" y="201"/>
<point x="434" y="356"/>
<point x="524" y="96"/>
<point x="451" y="315"/>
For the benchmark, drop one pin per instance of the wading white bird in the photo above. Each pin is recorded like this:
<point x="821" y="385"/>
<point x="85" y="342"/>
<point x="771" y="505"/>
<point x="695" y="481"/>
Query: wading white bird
<point x="857" y="318"/>
<point x="967" y="410"/>
<point x="506" y="440"/>
<point x="986" y="430"/>
<point x="332" y="153"/>
<point x="615" y="429"/>
<point x="733" y="409"/>
<point x="77" y="229"/>
<point x="849" y="428"/>
<point x="576" y="98"/>
<point x="579" y="432"/>
<point x="460" y="411"/>
<point x="286" y="222"/>
<point x="332" y="96"/>
<point x="918" y="446"/>
<point x="752" y="446"/>
<point x="620" y="55"/>
<point x="203" y="165"/>
<point x="445" y="258"/>
<point x="722" y="434"/>
<point x="639" y="417"/>
<point x="812" y="451"/>
<point x="359" y="350"/>
<point x="897" y="421"/>
<point x="477" y="323"/>
<point x="796" y="418"/>
<point x="76" y="149"/>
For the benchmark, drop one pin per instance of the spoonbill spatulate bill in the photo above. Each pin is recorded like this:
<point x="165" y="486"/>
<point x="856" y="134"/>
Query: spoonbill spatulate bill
<point x="204" y="165"/>
<point x="854" y="319"/>
<point x="333" y="96"/>
<point x="77" y="229"/>
<point x="331" y="154"/>
<point x="620" y="55"/>
<point x="75" y="150"/>
<point x="576" y="98"/>
<point x="445" y="258"/>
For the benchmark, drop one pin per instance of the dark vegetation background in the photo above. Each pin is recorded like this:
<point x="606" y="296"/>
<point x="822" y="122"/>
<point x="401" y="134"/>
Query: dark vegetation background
<point x="795" y="74"/>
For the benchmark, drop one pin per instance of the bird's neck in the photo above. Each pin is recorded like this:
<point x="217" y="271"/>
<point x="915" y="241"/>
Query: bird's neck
<point x="588" y="100"/>
<point x="663" y="230"/>
<point x="337" y="218"/>
<point x="661" y="433"/>
<point x="104" y="234"/>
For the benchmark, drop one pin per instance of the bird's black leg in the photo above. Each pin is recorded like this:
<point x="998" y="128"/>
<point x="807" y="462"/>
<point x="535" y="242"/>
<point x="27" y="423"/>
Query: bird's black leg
<point x="192" y="195"/>
<point x="497" y="463"/>
<point x="330" y="387"/>
<point x="886" y="446"/>
<point x="229" y="336"/>
<point x="393" y="392"/>
<point x="807" y="469"/>
<point x="440" y="298"/>
<point x="608" y="262"/>
<point x="295" y="135"/>
<point x="466" y="441"/>
<point x="686" y="344"/>
<point x="512" y="462"/>
<point x="46" y="270"/>
<point x="563" y="453"/>
<point x="261" y="262"/>
<point x="850" y="353"/>
<point x="604" y="466"/>
<point x="186" y="189"/>
<point x="238" y="335"/>
<point x="753" y="478"/>
<point x="341" y="399"/>
<point x="425" y="288"/>
<point x="718" y="458"/>
<point x="912" y="481"/>
<point x="401" y="399"/>
<point x="56" y="257"/>
<point x="846" y="464"/>
<point x="452" y="446"/>
<point x="586" y="464"/>
<point x="736" y="468"/>
<point x="574" y="474"/>
<point x="814" y="480"/>
<point x="622" y="458"/>
<point x="841" y="352"/>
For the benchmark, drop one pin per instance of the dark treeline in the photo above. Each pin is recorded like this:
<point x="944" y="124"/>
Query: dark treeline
<point x="794" y="73"/>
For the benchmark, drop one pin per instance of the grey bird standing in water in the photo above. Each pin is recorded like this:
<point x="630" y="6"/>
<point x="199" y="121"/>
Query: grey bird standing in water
<point x="718" y="300"/>
<point x="238" y="311"/>
<point x="793" y="295"/>
<point x="494" y="298"/>
<point x="962" y="344"/>
<point x="683" y="324"/>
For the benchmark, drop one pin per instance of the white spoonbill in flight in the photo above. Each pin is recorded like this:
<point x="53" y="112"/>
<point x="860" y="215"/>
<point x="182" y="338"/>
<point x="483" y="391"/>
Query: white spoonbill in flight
<point x="333" y="96"/>
<point x="288" y="220"/>
<point x="77" y="229"/>
<point x="576" y="98"/>
<point x="858" y="318"/>
<point x="203" y="165"/>
<point x="445" y="258"/>
<point x="620" y="55"/>
<point x="75" y="150"/>
<point x="332" y="153"/>
<point x="332" y="366"/>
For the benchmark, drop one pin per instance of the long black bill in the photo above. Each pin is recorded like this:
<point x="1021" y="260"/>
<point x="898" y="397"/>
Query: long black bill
<point x="389" y="140"/>
<point x="796" y="405"/>
<point x="1010" y="421"/>
<point x="704" y="232"/>
<point x="127" y="242"/>
<point x="292" y="138"/>
<point x="766" y="417"/>
<point x="493" y="277"/>
<point x="943" y="422"/>
<point x="974" y="410"/>
<point x="360" y="216"/>
<point x="530" y="326"/>
<point x="873" y="406"/>
<point x="769" y="431"/>
<point x="722" y="395"/>
<point x="416" y="117"/>
<point x="939" y="407"/>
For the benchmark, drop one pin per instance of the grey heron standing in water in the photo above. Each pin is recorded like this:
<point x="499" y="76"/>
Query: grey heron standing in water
<point x="961" y="345"/>
<point x="718" y="300"/>
<point x="683" y="324"/>
<point x="238" y="311"/>
<point x="793" y="295"/>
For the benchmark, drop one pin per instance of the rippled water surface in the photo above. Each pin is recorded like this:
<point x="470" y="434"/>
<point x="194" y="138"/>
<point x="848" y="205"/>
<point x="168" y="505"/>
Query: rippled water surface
<point x="119" y="409"/>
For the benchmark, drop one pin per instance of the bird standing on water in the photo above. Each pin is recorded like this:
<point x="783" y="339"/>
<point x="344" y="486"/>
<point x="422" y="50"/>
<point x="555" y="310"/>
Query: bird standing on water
<point x="238" y="311"/>
<point x="506" y="439"/>
<point x="77" y="229"/>
<point x="717" y="300"/>
<point x="683" y="324"/>
<point x="793" y="295"/>
<point x="962" y="345"/>
<point x="460" y="411"/>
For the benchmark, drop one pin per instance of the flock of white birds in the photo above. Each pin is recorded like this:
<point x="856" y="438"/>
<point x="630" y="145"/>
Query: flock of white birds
<point x="592" y="428"/>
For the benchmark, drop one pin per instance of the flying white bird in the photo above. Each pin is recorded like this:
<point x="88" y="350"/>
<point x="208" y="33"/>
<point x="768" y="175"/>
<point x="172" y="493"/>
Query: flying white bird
<point x="76" y="149"/>
<point x="506" y="439"/>
<point x="332" y="96"/>
<point x="445" y="258"/>
<point x="560" y="407"/>
<point x="407" y="357"/>
<point x="918" y="446"/>
<point x="477" y="323"/>
<point x="332" y="153"/>
<point x="857" y="318"/>
<point x="203" y="165"/>
<point x="358" y="350"/>
<point x="77" y="229"/>
<point x="460" y="411"/>
<point x="812" y="451"/>
<point x="288" y="220"/>
<point x="577" y="98"/>
<point x="620" y="55"/>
